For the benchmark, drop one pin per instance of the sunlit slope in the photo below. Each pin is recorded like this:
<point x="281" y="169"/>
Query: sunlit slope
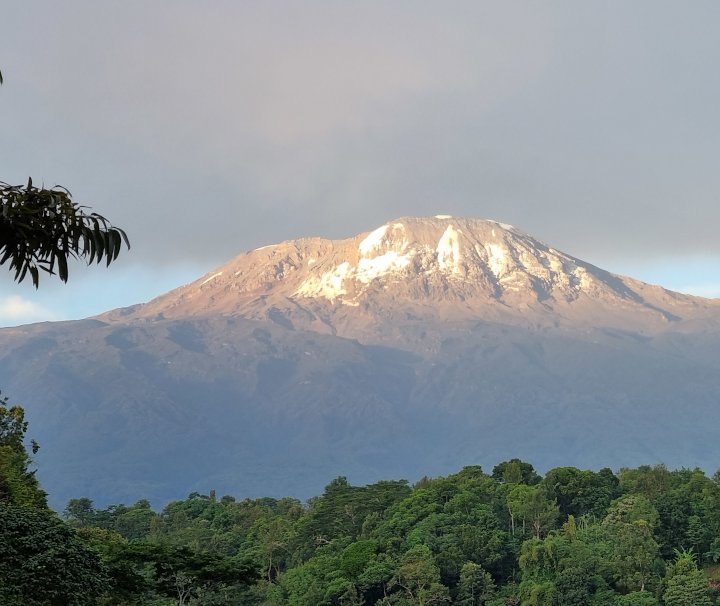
<point x="421" y="346"/>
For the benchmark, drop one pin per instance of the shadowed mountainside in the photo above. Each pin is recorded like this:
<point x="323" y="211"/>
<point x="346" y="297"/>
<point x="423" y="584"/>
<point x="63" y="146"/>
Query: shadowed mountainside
<point x="424" y="345"/>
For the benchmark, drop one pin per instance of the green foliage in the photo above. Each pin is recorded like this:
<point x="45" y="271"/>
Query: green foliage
<point x="636" y="598"/>
<point x="646" y="480"/>
<point x="515" y="471"/>
<point x="476" y="586"/>
<point x="539" y="594"/>
<point x="80" y="512"/>
<point x="175" y="572"/>
<point x="136" y="521"/>
<point x="41" y="229"/>
<point x="573" y="587"/>
<point x="635" y="555"/>
<point x="578" y="492"/>
<point x="467" y="538"/>
<point x="629" y="509"/>
<point x="684" y="584"/>
<point x="530" y="507"/>
<point x="343" y="509"/>
<point x="418" y="578"/>
<point x="18" y="484"/>
<point x="43" y="562"/>
<point x="357" y="557"/>
<point x="273" y="535"/>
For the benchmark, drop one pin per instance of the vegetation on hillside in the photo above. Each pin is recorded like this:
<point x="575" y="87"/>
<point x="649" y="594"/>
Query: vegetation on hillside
<point x="641" y="537"/>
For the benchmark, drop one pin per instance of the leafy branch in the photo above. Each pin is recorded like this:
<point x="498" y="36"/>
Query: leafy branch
<point x="40" y="229"/>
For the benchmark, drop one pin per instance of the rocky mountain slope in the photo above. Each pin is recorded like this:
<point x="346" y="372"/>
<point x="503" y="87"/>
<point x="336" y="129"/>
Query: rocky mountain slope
<point x="440" y="268"/>
<point x="424" y="345"/>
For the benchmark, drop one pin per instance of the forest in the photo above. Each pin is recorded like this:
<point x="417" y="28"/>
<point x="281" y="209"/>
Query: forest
<point x="509" y="537"/>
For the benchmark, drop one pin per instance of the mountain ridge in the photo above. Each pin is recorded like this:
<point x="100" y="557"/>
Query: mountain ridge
<point x="440" y="351"/>
<point x="459" y="269"/>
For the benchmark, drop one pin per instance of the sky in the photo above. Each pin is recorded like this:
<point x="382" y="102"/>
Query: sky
<point x="206" y="129"/>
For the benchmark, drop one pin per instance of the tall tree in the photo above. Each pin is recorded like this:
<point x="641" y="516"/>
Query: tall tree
<point x="515" y="471"/>
<point x="18" y="484"/>
<point x="43" y="562"/>
<point x="476" y="586"/>
<point x="529" y="507"/>
<point x="419" y="578"/>
<point x="635" y="555"/>
<point x="685" y="585"/>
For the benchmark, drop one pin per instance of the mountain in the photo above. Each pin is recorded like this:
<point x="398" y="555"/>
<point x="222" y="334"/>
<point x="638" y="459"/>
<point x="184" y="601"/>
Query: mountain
<point x="420" y="269"/>
<point x="421" y="346"/>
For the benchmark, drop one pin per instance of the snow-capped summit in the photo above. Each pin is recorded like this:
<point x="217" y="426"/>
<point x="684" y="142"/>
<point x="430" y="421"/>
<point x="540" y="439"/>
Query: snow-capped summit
<point x="440" y="267"/>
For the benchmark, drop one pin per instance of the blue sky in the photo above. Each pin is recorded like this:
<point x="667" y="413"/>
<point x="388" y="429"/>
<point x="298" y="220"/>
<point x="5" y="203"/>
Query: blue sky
<point x="207" y="129"/>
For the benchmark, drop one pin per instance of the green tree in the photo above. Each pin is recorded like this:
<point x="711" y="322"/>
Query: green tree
<point x="541" y="594"/>
<point x="564" y="569"/>
<point x="684" y="584"/>
<point x="631" y="508"/>
<point x="43" y="562"/>
<point x="699" y="536"/>
<point x="573" y="586"/>
<point x="272" y="535"/>
<point x="127" y="582"/>
<point x="579" y="492"/>
<point x="636" y="598"/>
<point x="629" y="527"/>
<point x="182" y="573"/>
<point x="375" y="580"/>
<point x="635" y="555"/>
<point x="307" y="584"/>
<point x="18" y="484"/>
<point x="80" y="512"/>
<point x="530" y="507"/>
<point x="515" y="471"/>
<point x="648" y="481"/>
<point x="356" y="558"/>
<point x="476" y="586"/>
<point x="419" y="578"/>
<point x="135" y="522"/>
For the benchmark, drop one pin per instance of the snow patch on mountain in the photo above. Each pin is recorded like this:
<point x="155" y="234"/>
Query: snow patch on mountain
<point x="215" y="275"/>
<point x="505" y="226"/>
<point x="328" y="285"/>
<point x="373" y="241"/>
<point x="391" y="261"/>
<point x="448" y="250"/>
<point x="498" y="259"/>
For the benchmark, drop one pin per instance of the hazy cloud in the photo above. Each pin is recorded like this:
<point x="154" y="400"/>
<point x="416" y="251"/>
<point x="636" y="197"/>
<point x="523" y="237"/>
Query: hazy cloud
<point x="15" y="310"/>
<point x="207" y="129"/>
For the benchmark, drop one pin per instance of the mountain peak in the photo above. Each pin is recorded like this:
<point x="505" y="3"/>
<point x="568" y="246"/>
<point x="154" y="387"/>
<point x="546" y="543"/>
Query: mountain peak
<point x="418" y="267"/>
<point x="435" y="250"/>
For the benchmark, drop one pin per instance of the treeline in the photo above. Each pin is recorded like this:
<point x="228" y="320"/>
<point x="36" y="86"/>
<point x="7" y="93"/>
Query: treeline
<point x="642" y="537"/>
<point x="646" y="536"/>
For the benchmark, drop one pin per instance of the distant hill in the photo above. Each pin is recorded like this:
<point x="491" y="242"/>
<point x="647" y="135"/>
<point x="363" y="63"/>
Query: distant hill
<point x="422" y="346"/>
